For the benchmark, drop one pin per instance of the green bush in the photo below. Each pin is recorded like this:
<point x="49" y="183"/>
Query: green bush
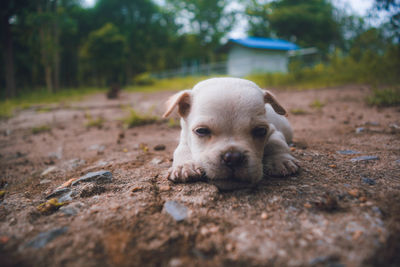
<point x="136" y="119"/>
<point x="385" y="97"/>
<point x="143" y="79"/>
<point x="41" y="129"/>
<point x="376" y="69"/>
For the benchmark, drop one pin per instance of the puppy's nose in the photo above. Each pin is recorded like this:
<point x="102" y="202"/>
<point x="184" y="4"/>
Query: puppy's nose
<point x="233" y="158"/>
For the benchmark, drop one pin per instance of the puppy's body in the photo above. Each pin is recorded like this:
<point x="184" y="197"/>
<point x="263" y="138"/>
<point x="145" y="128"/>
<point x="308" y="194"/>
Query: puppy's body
<point x="231" y="134"/>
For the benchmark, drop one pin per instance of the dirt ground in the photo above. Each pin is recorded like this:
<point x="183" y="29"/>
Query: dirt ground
<point x="335" y="212"/>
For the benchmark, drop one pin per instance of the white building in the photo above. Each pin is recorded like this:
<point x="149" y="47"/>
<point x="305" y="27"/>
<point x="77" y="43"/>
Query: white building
<point x="257" y="55"/>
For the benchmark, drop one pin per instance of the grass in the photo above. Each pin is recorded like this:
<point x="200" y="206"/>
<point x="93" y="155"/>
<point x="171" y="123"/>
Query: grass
<point x="385" y="97"/>
<point x="28" y="99"/>
<point x="317" y="104"/>
<point x="136" y="119"/>
<point x="94" y="122"/>
<point x="170" y="84"/>
<point x="372" y="68"/>
<point x="44" y="109"/>
<point x="379" y="70"/>
<point x="298" y="111"/>
<point x="173" y="123"/>
<point x="41" y="129"/>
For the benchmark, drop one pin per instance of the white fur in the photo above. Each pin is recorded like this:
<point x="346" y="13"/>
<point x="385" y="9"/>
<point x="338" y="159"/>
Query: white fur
<point x="231" y="108"/>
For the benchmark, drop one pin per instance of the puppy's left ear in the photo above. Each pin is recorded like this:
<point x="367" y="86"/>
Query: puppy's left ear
<point x="182" y="100"/>
<point x="270" y="99"/>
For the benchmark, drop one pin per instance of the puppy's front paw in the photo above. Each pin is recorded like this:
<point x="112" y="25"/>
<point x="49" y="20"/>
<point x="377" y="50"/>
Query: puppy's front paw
<point x="281" y="165"/>
<point x="184" y="173"/>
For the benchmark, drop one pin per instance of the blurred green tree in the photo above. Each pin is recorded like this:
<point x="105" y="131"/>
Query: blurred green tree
<point x="104" y="53"/>
<point x="146" y="27"/>
<point x="371" y="40"/>
<point x="307" y="22"/>
<point x="9" y="10"/>
<point x="393" y="7"/>
<point x="210" y="20"/>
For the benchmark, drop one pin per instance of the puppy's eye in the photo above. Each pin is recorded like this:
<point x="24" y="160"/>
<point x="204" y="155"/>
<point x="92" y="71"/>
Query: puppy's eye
<point x="259" y="132"/>
<point x="202" y="131"/>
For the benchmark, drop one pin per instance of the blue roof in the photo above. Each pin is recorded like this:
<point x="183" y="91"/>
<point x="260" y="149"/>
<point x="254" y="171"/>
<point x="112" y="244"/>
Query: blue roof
<point x="265" y="43"/>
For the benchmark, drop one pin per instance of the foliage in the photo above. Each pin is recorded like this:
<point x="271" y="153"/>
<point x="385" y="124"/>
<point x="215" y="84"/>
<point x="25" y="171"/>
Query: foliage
<point x="371" y="68"/>
<point x="136" y="119"/>
<point x="317" y="104"/>
<point x="170" y="84"/>
<point x="209" y="19"/>
<point x="173" y="123"/>
<point x="94" y="122"/>
<point x="41" y="129"/>
<point x="308" y="22"/>
<point x="298" y="111"/>
<point x="392" y="6"/>
<point x="105" y="54"/>
<point x="144" y="79"/>
<point x="27" y="98"/>
<point x="385" y="97"/>
<point x="57" y="44"/>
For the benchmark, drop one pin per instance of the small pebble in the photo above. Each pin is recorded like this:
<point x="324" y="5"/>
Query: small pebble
<point x="360" y="130"/>
<point x="69" y="211"/>
<point x="4" y="239"/>
<point x="347" y="152"/>
<point x="159" y="147"/>
<point x="377" y="210"/>
<point x="229" y="247"/>
<point x="164" y="188"/>
<point x="353" y="192"/>
<point x="156" y="161"/>
<point x="98" y="177"/>
<point x="364" y="158"/>
<point x="58" y="192"/>
<point x="177" y="210"/>
<point x="97" y="147"/>
<point x="368" y="181"/>
<point x="307" y="205"/>
<point x="136" y="188"/>
<point x="48" y="170"/>
<point x="68" y="196"/>
<point x="357" y="234"/>
<point x="44" y="238"/>
<point x="67" y="183"/>
<point x="372" y="123"/>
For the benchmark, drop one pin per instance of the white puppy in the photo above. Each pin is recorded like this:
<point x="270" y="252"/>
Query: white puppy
<point x="233" y="133"/>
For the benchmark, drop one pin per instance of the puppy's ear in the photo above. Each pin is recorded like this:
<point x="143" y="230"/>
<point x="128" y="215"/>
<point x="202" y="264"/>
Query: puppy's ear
<point x="182" y="100"/>
<point x="270" y="99"/>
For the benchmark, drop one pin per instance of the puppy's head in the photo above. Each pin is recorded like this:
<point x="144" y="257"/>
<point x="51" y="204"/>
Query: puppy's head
<point x="225" y="126"/>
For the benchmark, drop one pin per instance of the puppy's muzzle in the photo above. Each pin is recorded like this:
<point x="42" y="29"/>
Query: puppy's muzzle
<point x="233" y="158"/>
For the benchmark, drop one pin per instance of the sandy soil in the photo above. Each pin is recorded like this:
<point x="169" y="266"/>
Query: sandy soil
<point x="335" y="212"/>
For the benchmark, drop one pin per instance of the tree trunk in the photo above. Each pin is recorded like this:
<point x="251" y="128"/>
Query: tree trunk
<point x="45" y="45"/>
<point x="8" y="55"/>
<point x="49" y="80"/>
<point x="56" y="48"/>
